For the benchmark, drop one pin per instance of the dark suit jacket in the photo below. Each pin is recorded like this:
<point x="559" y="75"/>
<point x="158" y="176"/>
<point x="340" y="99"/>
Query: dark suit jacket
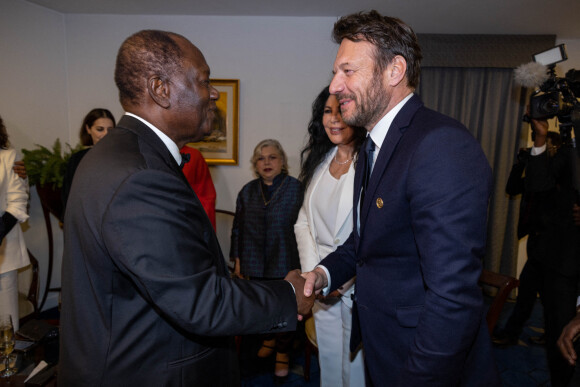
<point x="71" y="168"/>
<point x="516" y="186"/>
<point x="417" y="259"/>
<point x="147" y="300"/>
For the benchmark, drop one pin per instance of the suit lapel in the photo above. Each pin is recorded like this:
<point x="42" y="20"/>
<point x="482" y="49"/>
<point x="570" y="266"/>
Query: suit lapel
<point x="358" y="177"/>
<point x="389" y="144"/>
<point x="157" y="146"/>
<point x="396" y="131"/>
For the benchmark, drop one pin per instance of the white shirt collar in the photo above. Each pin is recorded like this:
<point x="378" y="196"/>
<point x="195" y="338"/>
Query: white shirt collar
<point x="171" y="146"/>
<point x="379" y="132"/>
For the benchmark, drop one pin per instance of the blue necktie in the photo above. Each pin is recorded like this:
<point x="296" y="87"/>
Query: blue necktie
<point x="370" y="151"/>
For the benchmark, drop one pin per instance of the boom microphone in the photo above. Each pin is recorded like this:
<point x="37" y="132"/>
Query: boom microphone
<point x="531" y="74"/>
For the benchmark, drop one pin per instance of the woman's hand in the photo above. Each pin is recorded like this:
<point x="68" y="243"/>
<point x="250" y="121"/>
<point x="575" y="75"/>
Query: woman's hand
<point x="20" y="169"/>
<point x="237" y="272"/>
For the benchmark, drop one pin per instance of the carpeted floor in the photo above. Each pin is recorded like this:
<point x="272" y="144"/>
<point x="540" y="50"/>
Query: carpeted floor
<point x="258" y="372"/>
<point x="525" y="364"/>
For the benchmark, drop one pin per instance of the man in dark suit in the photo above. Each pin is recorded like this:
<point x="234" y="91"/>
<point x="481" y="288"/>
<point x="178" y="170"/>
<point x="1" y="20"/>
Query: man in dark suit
<point x="568" y="343"/>
<point x="554" y="241"/>
<point x="147" y="299"/>
<point x="420" y="223"/>
<point x="533" y="207"/>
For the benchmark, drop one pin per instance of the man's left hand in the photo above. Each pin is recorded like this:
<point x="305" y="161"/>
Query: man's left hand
<point x="576" y="214"/>
<point x="566" y="340"/>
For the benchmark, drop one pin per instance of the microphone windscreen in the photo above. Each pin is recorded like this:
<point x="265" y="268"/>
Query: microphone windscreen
<point x="531" y="74"/>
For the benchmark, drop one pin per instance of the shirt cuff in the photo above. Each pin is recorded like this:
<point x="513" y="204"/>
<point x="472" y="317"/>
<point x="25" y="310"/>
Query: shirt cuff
<point x="538" y="150"/>
<point x="325" y="290"/>
<point x="293" y="289"/>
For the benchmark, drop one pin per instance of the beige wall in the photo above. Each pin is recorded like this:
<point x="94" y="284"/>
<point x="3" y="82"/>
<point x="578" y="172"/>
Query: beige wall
<point x="55" y="68"/>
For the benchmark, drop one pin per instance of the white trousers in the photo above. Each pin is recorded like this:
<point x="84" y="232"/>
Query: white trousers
<point x="333" y="321"/>
<point x="9" y="296"/>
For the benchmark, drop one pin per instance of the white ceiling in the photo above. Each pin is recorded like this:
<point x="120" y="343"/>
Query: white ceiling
<point x="558" y="17"/>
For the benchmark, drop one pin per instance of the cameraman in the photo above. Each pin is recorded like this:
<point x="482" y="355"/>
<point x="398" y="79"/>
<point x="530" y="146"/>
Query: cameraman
<point x="554" y="242"/>
<point x="572" y="330"/>
<point x="532" y="275"/>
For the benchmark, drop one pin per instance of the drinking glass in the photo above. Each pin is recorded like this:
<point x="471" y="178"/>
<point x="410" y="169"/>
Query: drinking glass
<point x="6" y="344"/>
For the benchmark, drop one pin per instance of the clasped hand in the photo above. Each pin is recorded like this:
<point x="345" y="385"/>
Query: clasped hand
<point x="303" y="302"/>
<point x="306" y="285"/>
<point x="309" y="285"/>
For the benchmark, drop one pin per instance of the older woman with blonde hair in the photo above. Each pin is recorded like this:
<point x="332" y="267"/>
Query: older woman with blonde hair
<point x="263" y="243"/>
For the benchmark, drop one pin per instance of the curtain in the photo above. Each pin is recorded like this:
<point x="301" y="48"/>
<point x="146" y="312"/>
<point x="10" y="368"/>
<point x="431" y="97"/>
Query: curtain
<point x="470" y="78"/>
<point x="491" y="106"/>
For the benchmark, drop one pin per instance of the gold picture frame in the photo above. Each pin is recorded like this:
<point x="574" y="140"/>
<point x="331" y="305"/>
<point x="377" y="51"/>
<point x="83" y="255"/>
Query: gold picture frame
<point x="220" y="147"/>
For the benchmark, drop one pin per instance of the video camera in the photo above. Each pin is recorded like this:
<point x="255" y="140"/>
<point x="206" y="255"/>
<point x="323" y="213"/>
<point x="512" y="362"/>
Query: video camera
<point x="556" y="97"/>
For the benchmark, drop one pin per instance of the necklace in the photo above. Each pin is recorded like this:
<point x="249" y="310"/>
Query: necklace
<point x="266" y="202"/>
<point x="342" y="163"/>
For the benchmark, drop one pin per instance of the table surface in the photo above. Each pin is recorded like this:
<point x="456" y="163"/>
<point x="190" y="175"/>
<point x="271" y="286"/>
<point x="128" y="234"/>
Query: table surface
<point x="46" y="350"/>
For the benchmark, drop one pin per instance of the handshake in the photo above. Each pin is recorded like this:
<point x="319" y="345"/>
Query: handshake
<point x="305" y="286"/>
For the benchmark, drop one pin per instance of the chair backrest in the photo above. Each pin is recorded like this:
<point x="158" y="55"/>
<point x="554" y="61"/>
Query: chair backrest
<point x="504" y="285"/>
<point x="224" y="220"/>
<point x="28" y="288"/>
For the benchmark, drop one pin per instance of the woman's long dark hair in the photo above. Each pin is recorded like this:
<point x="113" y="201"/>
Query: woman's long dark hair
<point x="89" y="120"/>
<point x="318" y="143"/>
<point x="4" y="144"/>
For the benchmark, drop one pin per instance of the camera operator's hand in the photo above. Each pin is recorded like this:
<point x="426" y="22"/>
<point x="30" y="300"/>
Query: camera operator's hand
<point x="576" y="214"/>
<point x="541" y="132"/>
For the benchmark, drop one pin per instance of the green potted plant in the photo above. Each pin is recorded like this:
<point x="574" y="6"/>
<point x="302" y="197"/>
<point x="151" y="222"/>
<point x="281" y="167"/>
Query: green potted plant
<point x="46" y="169"/>
<point x="47" y="166"/>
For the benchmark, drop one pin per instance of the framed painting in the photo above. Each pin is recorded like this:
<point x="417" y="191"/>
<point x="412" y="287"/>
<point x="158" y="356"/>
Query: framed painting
<point x="220" y="147"/>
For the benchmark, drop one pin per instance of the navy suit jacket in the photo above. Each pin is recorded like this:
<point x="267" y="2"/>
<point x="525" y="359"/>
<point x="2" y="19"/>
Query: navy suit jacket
<point x="147" y="298"/>
<point x="417" y="259"/>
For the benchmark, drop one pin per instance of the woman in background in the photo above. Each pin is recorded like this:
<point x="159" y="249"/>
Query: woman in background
<point x="325" y="222"/>
<point x="13" y="209"/>
<point x="263" y="243"/>
<point x="95" y="126"/>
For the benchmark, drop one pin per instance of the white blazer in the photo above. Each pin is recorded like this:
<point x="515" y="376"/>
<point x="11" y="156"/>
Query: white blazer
<point x="14" y="199"/>
<point x="305" y="229"/>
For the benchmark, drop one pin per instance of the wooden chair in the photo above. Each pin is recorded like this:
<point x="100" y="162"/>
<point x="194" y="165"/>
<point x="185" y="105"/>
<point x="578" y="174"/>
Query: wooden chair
<point x="224" y="220"/>
<point x="310" y="345"/>
<point x="28" y="288"/>
<point x="503" y="283"/>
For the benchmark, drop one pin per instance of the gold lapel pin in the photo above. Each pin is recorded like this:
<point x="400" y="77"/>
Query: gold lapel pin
<point x="379" y="203"/>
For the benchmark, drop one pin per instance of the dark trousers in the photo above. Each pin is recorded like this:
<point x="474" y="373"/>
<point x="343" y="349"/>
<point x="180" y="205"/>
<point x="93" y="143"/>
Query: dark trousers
<point x="558" y="293"/>
<point x="559" y="308"/>
<point x="531" y="283"/>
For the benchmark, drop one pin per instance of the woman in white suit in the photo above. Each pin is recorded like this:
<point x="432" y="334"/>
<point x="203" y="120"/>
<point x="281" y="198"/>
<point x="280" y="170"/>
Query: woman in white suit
<point x="13" y="210"/>
<point x="325" y="222"/>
